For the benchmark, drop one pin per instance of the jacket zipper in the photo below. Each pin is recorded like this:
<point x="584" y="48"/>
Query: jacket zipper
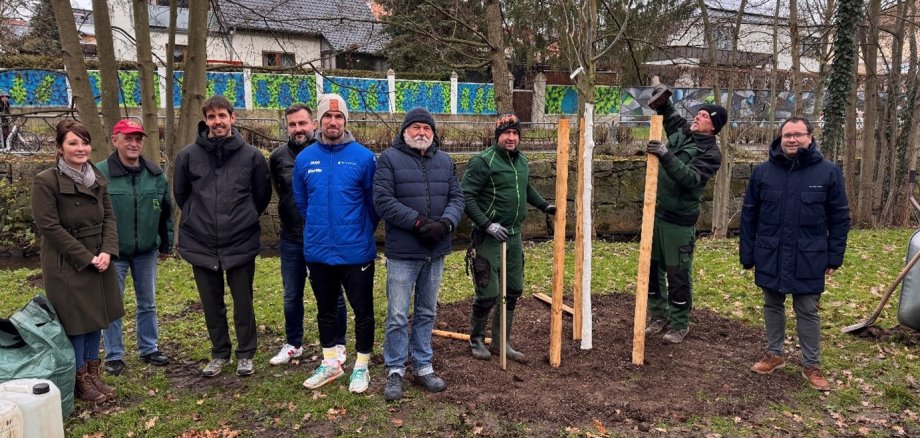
<point x="134" y="193"/>
<point x="427" y="191"/>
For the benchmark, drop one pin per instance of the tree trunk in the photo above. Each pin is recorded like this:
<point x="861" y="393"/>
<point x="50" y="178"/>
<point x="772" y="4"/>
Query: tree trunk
<point x="109" y="84"/>
<point x="849" y="161"/>
<point x="499" y="63"/>
<point x="893" y="156"/>
<point x="796" y="64"/>
<point x="79" y="82"/>
<point x="841" y="80"/>
<point x="172" y="146"/>
<point x="902" y="214"/>
<point x="147" y="72"/>
<point x="195" y="79"/>
<point x="823" y="52"/>
<point x="775" y="64"/>
<point x="721" y="196"/>
<point x="867" y="180"/>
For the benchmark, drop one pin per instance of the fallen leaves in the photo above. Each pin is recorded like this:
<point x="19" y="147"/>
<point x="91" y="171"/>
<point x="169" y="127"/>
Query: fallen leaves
<point x="223" y="432"/>
<point x="335" y="413"/>
<point x="151" y="422"/>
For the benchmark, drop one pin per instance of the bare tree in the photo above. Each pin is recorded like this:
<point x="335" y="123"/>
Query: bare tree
<point x="867" y="172"/>
<point x="796" y="69"/>
<point x="147" y="74"/>
<point x="194" y="79"/>
<point x="77" y="76"/>
<point x="172" y="145"/>
<point x="109" y="85"/>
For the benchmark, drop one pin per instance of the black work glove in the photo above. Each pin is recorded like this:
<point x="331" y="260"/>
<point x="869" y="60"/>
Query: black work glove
<point x="550" y="209"/>
<point x="434" y="232"/>
<point x="497" y="231"/>
<point x="420" y="222"/>
<point x="660" y="150"/>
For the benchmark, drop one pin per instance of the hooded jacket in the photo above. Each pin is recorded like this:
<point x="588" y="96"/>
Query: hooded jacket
<point x="794" y="221"/>
<point x="496" y="188"/>
<point x="691" y="161"/>
<point x="409" y="184"/>
<point x="281" y="167"/>
<point x="333" y="188"/>
<point x="142" y="205"/>
<point x="222" y="186"/>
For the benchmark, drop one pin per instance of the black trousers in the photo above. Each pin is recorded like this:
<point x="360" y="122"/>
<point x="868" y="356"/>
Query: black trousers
<point x="327" y="281"/>
<point x="211" y="290"/>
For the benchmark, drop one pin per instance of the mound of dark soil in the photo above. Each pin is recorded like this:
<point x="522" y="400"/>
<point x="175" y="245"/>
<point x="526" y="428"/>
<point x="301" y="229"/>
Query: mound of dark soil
<point x="708" y="375"/>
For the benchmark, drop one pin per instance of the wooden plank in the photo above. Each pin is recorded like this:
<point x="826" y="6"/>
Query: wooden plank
<point x="503" y="346"/>
<point x="645" y="245"/>
<point x="455" y="335"/>
<point x="546" y="299"/>
<point x="579" y="234"/>
<point x="562" y="181"/>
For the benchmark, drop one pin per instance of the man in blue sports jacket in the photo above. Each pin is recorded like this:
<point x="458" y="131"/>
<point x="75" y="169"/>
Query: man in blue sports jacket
<point x="333" y="189"/>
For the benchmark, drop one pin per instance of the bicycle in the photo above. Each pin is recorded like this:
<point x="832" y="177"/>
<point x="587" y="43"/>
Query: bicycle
<point x="20" y="141"/>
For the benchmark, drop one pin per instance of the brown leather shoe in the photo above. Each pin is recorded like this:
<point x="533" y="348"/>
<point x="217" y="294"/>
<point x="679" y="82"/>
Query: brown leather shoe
<point x="816" y="379"/>
<point x="84" y="388"/>
<point x="768" y="364"/>
<point x="93" y="367"/>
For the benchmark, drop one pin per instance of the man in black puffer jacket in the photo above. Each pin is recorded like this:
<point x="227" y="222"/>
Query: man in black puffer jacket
<point x="222" y="186"/>
<point x="417" y="194"/>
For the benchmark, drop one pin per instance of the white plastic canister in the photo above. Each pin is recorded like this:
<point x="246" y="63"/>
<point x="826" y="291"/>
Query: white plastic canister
<point x="10" y="420"/>
<point x="40" y="403"/>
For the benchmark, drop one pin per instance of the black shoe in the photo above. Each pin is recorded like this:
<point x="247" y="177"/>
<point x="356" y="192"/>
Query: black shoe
<point x="114" y="367"/>
<point x="156" y="358"/>
<point x="431" y="382"/>
<point x="394" y="387"/>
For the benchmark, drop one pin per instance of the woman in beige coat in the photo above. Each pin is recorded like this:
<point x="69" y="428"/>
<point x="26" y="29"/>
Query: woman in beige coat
<point x="73" y="213"/>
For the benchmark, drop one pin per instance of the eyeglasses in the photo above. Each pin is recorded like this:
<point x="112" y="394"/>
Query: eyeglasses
<point x="796" y="135"/>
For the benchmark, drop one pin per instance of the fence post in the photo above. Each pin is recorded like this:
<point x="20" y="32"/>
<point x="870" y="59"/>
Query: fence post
<point x="391" y="84"/>
<point x="319" y="86"/>
<point x="538" y="111"/>
<point x="161" y="83"/>
<point x="453" y="92"/>
<point x="247" y="88"/>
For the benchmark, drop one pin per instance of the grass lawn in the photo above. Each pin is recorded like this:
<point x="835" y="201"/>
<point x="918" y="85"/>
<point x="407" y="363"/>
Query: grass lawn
<point x="875" y="388"/>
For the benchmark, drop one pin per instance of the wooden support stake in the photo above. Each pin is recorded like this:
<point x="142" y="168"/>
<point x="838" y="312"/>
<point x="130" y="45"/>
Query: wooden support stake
<point x="579" y="234"/>
<point x="503" y="346"/>
<point x="562" y="184"/>
<point x="645" y="245"/>
<point x="546" y="299"/>
<point x="455" y="335"/>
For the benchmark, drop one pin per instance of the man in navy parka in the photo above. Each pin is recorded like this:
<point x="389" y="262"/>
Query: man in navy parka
<point x="794" y="224"/>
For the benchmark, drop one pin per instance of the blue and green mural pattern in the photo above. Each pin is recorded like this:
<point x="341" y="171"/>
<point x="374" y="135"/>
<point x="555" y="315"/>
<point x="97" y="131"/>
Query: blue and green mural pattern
<point x="130" y="93"/>
<point x="363" y="95"/>
<point x="563" y="99"/>
<point x="229" y="85"/>
<point x="433" y="95"/>
<point x="35" y="87"/>
<point x="473" y="98"/>
<point x="280" y="91"/>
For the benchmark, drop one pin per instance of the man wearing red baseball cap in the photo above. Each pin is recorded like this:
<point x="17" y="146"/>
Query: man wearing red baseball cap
<point x="143" y="210"/>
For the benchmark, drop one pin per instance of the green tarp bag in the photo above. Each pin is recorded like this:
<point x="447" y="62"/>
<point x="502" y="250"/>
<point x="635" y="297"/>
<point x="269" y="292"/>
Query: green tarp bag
<point x="33" y="345"/>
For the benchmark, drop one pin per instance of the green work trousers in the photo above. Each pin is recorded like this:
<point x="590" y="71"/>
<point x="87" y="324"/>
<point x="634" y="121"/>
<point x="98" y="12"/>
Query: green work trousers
<point x="490" y="250"/>
<point x="670" y="288"/>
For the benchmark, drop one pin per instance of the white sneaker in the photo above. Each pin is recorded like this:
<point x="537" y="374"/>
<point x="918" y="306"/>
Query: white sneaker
<point x="341" y="353"/>
<point x="323" y="375"/>
<point x="359" y="381"/>
<point x="287" y="353"/>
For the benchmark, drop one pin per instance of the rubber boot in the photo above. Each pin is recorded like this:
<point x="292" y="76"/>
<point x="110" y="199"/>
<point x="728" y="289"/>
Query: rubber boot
<point x="478" y="320"/>
<point x="84" y="388"/>
<point x="93" y="367"/>
<point x="495" y="348"/>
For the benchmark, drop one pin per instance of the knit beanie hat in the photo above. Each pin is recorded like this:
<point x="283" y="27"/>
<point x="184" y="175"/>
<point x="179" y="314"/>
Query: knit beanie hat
<point x="418" y="115"/>
<point x="506" y="122"/>
<point x="717" y="114"/>
<point x="331" y="102"/>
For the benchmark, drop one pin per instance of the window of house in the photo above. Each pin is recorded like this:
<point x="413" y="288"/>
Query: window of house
<point x="180" y="53"/>
<point x="724" y="36"/>
<point x="179" y="3"/>
<point x="278" y="59"/>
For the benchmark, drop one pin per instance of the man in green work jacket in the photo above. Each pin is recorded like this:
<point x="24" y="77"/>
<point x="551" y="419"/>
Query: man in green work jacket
<point x="497" y="189"/>
<point x="688" y="159"/>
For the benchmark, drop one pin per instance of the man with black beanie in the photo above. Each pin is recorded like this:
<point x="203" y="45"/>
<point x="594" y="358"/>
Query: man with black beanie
<point x="417" y="194"/>
<point x="688" y="159"/>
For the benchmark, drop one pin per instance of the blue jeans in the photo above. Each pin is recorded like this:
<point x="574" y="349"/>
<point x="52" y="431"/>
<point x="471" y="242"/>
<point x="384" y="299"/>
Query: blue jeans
<point x="294" y="279"/>
<point x="405" y="278"/>
<point x="85" y="347"/>
<point x="144" y="273"/>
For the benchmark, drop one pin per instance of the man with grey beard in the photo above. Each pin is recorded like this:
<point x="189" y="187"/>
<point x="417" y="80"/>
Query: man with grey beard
<point x="417" y="194"/>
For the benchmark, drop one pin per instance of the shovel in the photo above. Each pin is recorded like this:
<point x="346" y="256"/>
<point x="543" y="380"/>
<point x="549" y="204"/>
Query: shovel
<point x="878" y="310"/>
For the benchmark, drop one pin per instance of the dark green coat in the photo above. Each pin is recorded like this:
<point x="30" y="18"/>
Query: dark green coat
<point x="692" y="159"/>
<point x="496" y="187"/>
<point x="142" y="205"/>
<point x="76" y="224"/>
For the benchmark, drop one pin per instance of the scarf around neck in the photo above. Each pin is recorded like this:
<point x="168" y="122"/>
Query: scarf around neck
<point x="85" y="176"/>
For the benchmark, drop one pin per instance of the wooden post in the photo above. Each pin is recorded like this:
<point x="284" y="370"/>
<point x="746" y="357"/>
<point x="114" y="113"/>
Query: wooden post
<point x="540" y="296"/>
<point x="562" y="181"/>
<point x="645" y="245"/>
<point x="579" y="234"/>
<point x="457" y="336"/>
<point x="503" y="350"/>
